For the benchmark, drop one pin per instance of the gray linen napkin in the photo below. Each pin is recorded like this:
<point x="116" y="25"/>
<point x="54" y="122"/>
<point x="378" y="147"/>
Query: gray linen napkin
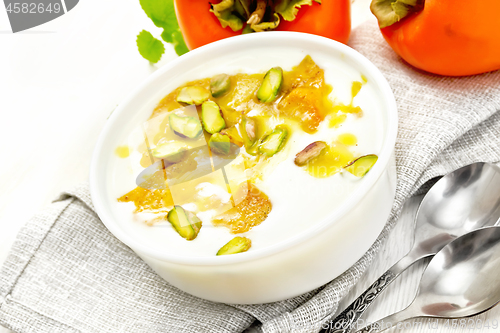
<point x="67" y="273"/>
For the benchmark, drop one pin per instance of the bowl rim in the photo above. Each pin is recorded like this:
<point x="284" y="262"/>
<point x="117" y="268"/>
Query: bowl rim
<point x="359" y="193"/>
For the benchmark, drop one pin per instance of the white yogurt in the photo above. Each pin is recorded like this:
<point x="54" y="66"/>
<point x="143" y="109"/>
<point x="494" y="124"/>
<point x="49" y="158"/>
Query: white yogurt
<point x="299" y="200"/>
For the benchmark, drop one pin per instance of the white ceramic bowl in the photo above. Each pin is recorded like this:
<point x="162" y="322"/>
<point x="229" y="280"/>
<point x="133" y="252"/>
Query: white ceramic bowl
<point x="288" y="268"/>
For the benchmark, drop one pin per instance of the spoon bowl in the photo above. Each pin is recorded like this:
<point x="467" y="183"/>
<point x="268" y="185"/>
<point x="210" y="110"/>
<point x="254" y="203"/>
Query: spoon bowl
<point x="462" y="280"/>
<point x="464" y="200"/>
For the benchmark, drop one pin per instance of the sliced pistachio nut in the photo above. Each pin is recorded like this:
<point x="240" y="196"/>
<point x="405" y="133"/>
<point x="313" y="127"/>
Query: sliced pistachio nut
<point x="252" y="150"/>
<point x="220" y="84"/>
<point x="211" y="117"/>
<point x="250" y="128"/>
<point x="249" y="131"/>
<point x="220" y="144"/>
<point x="195" y="221"/>
<point x="185" y="126"/>
<point x="360" y="166"/>
<point x="172" y="152"/>
<point x="193" y="95"/>
<point x="185" y="223"/>
<point x="235" y="245"/>
<point x="273" y="142"/>
<point x="308" y="153"/>
<point x="234" y="135"/>
<point x="271" y="85"/>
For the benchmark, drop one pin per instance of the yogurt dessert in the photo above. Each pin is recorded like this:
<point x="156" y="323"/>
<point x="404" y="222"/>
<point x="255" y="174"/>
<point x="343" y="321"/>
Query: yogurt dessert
<point x="242" y="161"/>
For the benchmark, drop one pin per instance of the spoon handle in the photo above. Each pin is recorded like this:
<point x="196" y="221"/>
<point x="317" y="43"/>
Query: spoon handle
<point x="345" y="322"/>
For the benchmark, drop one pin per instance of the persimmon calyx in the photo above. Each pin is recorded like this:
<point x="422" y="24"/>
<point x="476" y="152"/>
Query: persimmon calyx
<point x="258" y="15"/>
<point x="389" y="12"/>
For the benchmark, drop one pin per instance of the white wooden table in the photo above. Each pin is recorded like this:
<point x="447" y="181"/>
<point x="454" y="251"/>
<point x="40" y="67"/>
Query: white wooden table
<point x="58" y="84"/>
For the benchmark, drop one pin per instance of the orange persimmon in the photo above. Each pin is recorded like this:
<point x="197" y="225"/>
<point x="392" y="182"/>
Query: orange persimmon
<point x="199" y="26"/>
<point x="446" y="37"/>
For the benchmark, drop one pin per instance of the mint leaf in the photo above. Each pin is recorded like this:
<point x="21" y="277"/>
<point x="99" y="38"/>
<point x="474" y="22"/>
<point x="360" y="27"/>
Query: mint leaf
<point x="149" y="47"/>
<point x="179" y="43"/>
<point x="162" y="13"/>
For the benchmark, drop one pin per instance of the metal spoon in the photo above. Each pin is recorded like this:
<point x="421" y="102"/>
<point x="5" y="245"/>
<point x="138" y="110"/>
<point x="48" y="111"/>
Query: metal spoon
<point x="462" y="280"/>
<point x="463" y="200"/>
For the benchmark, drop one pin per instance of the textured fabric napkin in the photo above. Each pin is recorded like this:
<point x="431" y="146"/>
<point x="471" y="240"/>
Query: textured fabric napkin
<point x="67" y="273"/>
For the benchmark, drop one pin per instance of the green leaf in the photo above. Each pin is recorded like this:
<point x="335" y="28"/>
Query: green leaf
<point x="288" y="9"/>
<point x="162" y="13"/>
<point x="149" y="47"/>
